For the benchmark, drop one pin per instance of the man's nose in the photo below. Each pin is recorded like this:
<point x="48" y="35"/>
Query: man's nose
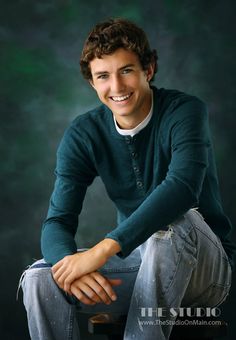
<point x="117" y="85"/>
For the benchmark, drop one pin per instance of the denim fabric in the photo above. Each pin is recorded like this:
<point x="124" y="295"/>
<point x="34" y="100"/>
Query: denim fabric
<point x="184" y="266"/>
<point x="52" y="315"/>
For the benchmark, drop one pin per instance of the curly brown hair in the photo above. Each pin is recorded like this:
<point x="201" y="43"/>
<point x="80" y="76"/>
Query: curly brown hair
<point x="108" y="36"/>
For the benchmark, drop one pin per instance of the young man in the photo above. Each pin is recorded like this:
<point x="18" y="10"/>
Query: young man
<point x="152" y="149"/>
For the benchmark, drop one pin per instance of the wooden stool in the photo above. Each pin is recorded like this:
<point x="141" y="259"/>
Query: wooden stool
<point x="111" y="325"/>
<point x="185" y="329"/>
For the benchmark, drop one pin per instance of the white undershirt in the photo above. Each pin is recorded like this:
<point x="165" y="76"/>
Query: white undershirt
<point x="136" y="129"/>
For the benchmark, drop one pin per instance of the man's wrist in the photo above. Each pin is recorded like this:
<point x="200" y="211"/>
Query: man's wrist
<point x="108" y="247"/>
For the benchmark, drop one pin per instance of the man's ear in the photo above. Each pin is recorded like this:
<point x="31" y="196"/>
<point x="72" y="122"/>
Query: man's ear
<point x="91" y="83"/>
<point x="150" y="71"/>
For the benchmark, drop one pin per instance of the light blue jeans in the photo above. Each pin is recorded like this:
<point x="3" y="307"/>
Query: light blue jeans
<point x="185" y="266"/>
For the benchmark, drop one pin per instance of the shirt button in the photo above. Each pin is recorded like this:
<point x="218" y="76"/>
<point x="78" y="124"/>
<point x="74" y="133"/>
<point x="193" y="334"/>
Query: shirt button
<point x="134" y="154"/>
<point x="136" y="169"/>
<point x="139" y="184"/>
<point x="128" y="141"/>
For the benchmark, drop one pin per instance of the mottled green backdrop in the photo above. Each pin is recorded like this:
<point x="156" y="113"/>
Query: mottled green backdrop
<point x="42" y="91"/>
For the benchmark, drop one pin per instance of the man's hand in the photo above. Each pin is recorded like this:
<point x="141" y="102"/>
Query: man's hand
<point x="74" y="266"/>
<point x="94" y="288"/>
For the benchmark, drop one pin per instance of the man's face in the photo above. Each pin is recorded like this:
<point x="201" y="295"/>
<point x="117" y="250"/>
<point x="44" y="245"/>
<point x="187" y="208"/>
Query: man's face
<point x="123" y="86"/>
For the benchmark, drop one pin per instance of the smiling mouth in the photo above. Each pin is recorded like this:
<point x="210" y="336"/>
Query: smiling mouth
<point x="119" y="99"/>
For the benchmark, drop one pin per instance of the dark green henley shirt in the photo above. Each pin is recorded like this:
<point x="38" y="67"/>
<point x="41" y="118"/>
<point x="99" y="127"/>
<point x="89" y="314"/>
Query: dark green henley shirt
<point x="153" y="178"/>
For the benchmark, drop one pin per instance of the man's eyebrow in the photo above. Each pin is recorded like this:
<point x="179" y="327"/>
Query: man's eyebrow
<point x="128" y="65"/>
<point x="120" y="69"/>
<point x="99" y="72"/>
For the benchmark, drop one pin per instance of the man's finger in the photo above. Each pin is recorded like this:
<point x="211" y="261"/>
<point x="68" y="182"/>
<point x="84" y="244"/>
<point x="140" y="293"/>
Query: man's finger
<point x="67" y="282"/>
<point x="57" y="266"/>
<point x="91" y="293"/>
<point x="96" y="290"/>
<point x="115" y="282"/>
<point x="81" y="296"/>
<point x="105" y="284"/>
<point x="59" y="272"/>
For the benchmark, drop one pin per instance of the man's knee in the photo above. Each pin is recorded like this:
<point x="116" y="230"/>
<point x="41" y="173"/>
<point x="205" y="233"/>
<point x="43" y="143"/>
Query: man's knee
<point x="37" y="284"/>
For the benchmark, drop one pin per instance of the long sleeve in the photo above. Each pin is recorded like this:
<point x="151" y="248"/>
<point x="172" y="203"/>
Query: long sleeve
<point x="74" y="173"/>
<point x="186" y="131"/>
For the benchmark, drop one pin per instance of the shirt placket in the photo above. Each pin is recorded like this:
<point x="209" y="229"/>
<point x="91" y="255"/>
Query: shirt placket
<point x="130" y="141"/>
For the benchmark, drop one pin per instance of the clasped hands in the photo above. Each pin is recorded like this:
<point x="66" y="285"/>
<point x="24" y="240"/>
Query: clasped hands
<point x="77" y="275"/>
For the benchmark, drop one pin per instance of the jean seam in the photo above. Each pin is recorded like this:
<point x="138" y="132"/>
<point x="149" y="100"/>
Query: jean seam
<point x="70" y="332"/>
<point x="225" y="286"/>
<point x="121" y="270"/>
<point x="219" y="247"/>
<point x="198" y="213"/>
<point x="178" y="261"/>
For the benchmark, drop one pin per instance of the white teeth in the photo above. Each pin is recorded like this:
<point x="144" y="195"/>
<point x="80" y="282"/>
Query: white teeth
<point x="121" y="98"/>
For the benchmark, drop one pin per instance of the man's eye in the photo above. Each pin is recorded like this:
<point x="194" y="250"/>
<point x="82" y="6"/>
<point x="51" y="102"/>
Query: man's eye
<point x="102" y="76"/>
<point x="126" y="70"/>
